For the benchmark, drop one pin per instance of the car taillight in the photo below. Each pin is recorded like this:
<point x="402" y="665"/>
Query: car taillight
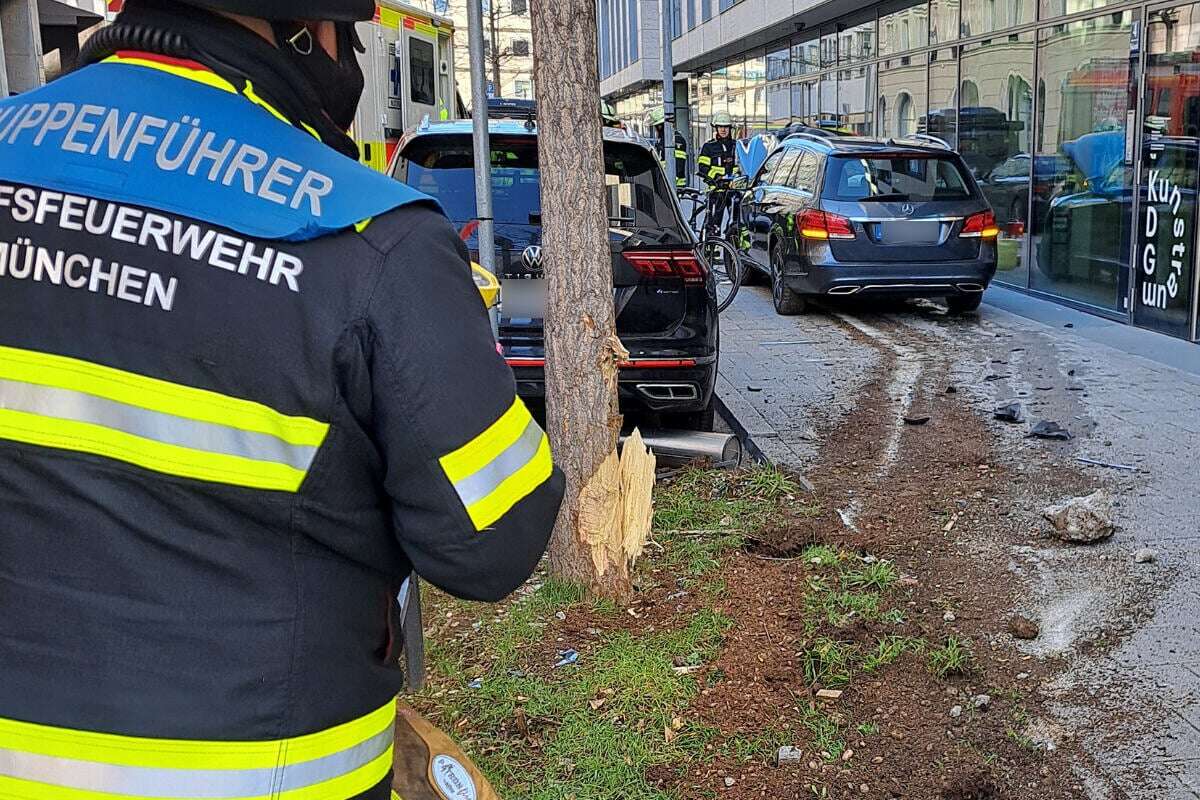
<point x="814" y="224"/>
<point x="667" y="264"/>
<point x="981" y="225"/>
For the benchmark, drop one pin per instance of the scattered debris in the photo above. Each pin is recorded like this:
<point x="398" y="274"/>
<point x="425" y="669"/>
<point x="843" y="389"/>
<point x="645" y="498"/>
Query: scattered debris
<point x="476" y="684"/>
<point x="566" y="658"/>
<point x="956" y="712"/>
<point x="981" y="701"/>
<point x="1069" y="325"/>
<point x="847" y="754"/>
<point x="1082" y="519"/>
<point x="948" y="617"/>
<point x="917" y="420"/>
<point x="1010" y="412"/>
<point x="1044" y="388"/>
<point x="729" y="782"/>
<point x="949" y="526"/>
<point x="1048" y="429"/>
<point x="754" y="388"/>
<point x="1022" y="676"/>
<point x="788" y="754"/>
<point x="560" y="615"/>
<point x="1096" y="463"/>
<point x="1023" y="628"/>
<point x="829" y="694"/>
<point x="995" y="377"/>
<point x="951" y="390"/>
<point x="1145" y="556"/>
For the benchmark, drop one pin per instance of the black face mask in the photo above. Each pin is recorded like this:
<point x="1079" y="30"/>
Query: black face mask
<point x="338" y="84"/>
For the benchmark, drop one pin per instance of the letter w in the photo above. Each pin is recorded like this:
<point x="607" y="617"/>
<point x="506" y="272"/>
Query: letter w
<point x="189" y="237"/>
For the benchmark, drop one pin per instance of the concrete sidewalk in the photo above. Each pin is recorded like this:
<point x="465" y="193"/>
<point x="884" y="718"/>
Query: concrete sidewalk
<point x="1131" y="398"/>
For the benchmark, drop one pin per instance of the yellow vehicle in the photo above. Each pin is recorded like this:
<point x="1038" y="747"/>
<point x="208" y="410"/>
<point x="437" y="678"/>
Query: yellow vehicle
<point x="409" y="70"/>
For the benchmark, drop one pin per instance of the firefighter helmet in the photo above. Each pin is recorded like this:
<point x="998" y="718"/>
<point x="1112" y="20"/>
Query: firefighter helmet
<point x="609" y="114"/>
<point x="657" y="117"/>
<point x="721" y="119"/>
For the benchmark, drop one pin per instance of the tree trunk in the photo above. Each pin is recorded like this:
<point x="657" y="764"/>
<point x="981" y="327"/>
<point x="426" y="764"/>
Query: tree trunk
<point x="582" y="349"/>
<point x="492" y="22"/>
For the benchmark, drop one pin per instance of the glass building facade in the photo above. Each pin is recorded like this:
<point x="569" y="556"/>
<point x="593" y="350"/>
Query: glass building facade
<point x="1079" y="118"/>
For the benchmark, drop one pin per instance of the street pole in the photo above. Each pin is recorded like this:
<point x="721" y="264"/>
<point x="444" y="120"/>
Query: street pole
<point x="481" y="141"/>
<point x="668" y="78"/>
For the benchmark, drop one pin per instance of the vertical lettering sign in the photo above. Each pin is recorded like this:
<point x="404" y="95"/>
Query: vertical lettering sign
<point x="1165" y="260"/>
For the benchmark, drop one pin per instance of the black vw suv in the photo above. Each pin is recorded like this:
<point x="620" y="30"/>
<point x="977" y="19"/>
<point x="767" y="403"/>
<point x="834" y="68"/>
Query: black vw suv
<point x="849" y="216"/>
<point x="663" y="293"/>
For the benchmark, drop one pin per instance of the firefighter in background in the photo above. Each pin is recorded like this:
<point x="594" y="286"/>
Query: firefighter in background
<point x="657" y="122"/>
<point x="247" y="386"/>
<point x="716" y="164"/>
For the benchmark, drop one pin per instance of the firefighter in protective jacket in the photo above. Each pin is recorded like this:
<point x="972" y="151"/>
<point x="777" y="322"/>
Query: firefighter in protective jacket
<point x="718" y="161"/>
<point x="658" y="123"/>
<point x="246" y="387"/>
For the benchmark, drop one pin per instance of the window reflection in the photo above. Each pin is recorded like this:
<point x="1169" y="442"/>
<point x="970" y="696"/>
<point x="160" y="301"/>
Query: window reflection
<point x="994" y="134"/>
<point x="901" y="98"/>
<point x="1082" y="235"/>
<point x="903" y="27"/>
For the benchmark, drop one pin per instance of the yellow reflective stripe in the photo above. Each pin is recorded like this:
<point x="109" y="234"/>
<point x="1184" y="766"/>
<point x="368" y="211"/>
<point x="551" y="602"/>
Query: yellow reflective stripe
<point x="351" y="784"/>
<point x="716" y="172"/>
<point x="515" y="488"/>
<point x="501" y="466"/>
<point x="170" y="459"/>
<point x="157" y="395"/>
<point x="132" y="751"/>
<point x="252" y="96"/>
<point x="207" y="77"/>
<point x="681" y="153"/>
<point x="704" y="161"/>
<point x="311" y="130"/>
<point x="483" y="449"/>
<point x="359" y="227"/>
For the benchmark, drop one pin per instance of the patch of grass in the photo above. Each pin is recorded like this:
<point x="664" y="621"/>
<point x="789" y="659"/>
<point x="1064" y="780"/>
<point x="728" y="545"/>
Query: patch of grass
<point x="893" y="616"/>
<point x="888" y="649"/>
<point x="826" y="663"/>
<point x="573" y="748"/>
<point x="821" y="555"/>
<point x="867" y="729"/>
<point x="697" y="554"/>
<point x="761" y="746"/>
<point x="952" y="658"/>
<point x="827" y="735"/>
<point x="770" y="483"/>
<point x="878" y="576"/>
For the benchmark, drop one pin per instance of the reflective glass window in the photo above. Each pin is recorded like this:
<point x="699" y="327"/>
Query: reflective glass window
<point x="779" y="104"/>
<point x="901" y="95"/>
<point x="943" y="20"/>
<point x="804" y="102"/>
<point x="942" y="119"/>
<point x="779" y="64"/>
<point x="985" y="16"/>
<point x="1057" y="8"/>
<point x="857" y="42"/>
<point x="806" y="56"/>
<point x="856" y="92"/>
<point x="903" y="28"/>
<point x="995" y="127"/>
<point x="1081" y="236"/>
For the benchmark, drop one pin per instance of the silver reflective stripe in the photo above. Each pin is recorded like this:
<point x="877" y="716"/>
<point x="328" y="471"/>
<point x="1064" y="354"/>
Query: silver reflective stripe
<point x="203" y="784"/>
<point x="479" y="485"/>
<point x="47" y="401"/>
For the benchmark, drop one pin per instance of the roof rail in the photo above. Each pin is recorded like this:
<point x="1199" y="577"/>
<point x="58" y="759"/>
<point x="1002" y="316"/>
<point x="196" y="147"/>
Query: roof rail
<point x="815" y="137"/>
<point x="925" y="137"/>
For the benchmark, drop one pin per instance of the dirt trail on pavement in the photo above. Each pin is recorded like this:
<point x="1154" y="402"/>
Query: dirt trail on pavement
<point x="917" y="476"/>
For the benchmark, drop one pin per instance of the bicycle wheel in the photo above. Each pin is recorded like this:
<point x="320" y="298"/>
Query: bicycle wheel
<point x="726" y="266"/>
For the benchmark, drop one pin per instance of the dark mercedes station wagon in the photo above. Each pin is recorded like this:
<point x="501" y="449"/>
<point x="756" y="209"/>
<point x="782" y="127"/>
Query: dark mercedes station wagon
<point x="837" y="216"/>
<point x="663" y="293"/>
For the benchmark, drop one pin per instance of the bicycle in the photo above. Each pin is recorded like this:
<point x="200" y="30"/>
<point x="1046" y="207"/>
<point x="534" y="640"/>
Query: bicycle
<point x="721" y="255"/>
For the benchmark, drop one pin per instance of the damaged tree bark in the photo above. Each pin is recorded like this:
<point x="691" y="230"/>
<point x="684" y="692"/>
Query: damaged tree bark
<point x="583" y="352"/>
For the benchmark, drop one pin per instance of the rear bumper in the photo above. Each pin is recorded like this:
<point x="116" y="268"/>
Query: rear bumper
<point x="672" y="385"/>
<point x="942" y="278"/>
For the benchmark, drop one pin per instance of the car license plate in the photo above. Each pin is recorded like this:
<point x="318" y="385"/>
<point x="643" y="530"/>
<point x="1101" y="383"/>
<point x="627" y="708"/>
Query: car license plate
<point x="910" y="232"/>
<point x="524" y="299"/>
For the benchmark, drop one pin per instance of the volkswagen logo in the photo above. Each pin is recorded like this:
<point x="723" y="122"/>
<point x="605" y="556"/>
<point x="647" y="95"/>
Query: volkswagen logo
<point x="532" y="258"/>
<point x="908" y="209"/>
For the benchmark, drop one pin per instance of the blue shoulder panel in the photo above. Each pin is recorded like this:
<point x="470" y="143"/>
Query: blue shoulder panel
<point x="137" y="135"/>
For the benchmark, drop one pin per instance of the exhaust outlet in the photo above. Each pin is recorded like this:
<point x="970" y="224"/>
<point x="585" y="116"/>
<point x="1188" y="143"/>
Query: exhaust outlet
<point x="970" y="287"/>
<point x="844" y="290"/>
<point x="679" y="448"/>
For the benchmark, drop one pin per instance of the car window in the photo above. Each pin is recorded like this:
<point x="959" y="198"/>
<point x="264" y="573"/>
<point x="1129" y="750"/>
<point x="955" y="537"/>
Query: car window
<point x="787" y="164"/>
<point x="917" y="178"/>
<point x="767" y="171"/>
<point x="804" y="177"/>
<point x="443" y="167"/>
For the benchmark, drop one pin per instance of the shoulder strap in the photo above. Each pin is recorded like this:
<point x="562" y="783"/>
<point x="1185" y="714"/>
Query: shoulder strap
<point x="184" y="140"/>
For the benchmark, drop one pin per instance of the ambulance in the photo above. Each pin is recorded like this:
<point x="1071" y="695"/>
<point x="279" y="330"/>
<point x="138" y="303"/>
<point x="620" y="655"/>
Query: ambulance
<point x="409" y="70"/>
